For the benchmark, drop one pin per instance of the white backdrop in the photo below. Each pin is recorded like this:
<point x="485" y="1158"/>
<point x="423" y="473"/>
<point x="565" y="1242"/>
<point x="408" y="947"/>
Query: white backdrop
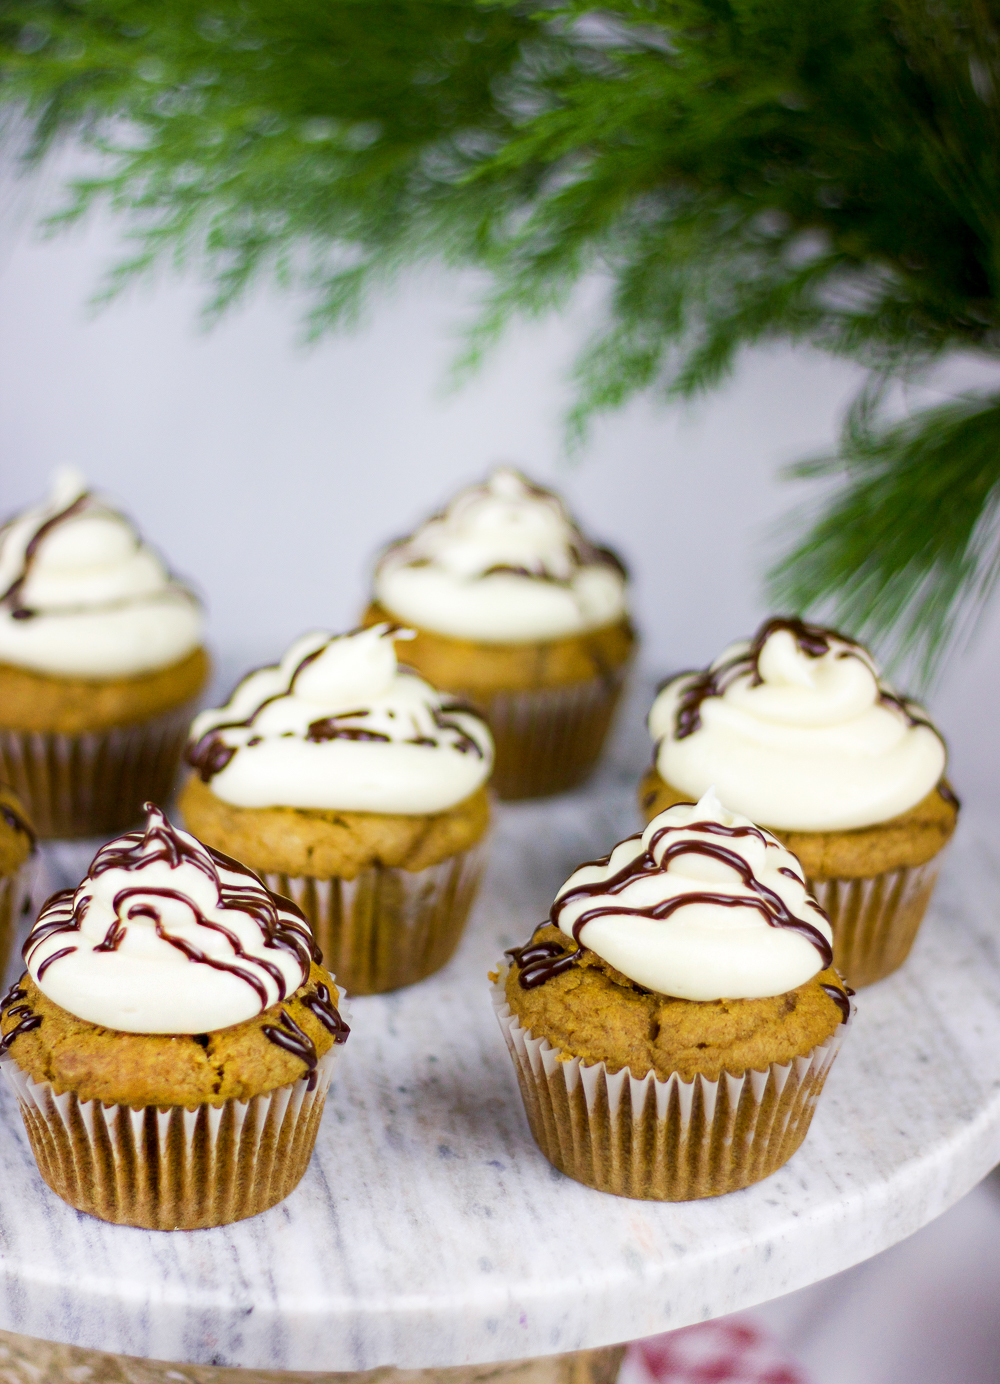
<point x="270" y="474"/>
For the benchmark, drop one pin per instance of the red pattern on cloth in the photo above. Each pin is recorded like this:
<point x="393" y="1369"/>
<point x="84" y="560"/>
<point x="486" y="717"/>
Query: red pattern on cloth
<point x="726" y="1351"/>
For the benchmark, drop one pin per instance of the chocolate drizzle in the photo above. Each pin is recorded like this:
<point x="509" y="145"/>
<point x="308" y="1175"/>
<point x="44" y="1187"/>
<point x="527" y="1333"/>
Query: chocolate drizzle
<point x="321" y="1004"/>
<point x="289" y="1036"/>
<point x="296" y="1041"/>
<point x="12" y="596"/>
<point x="64" y="912"/>
<point x="330" y="728"/>
<point x="210" y="754"/>
<point x="580" y="551"/>
<point x="812" y="640"/>
<point x="13" y="1006"/>
<point x="841" y="998"/>
<point x="14" y="820"/>
<point x="540" y="961"/>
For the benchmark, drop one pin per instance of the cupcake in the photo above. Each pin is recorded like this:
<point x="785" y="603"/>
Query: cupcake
<point x="353" y="787"/>
<point x="171" y="1042"/>
<point x="100" y="665"/>
<point x="674" y="1021"/>
<point x="797" y="730"/>
<point x="17" y="849"/>
<point x="518" y="613"/>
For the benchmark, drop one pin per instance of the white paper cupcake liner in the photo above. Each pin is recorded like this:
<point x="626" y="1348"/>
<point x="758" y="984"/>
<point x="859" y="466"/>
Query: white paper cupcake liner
<point x="388" y="927"/>
<point x="661" y="1140"/>
<point x="94" y="783"/>
<point x="168" y="1168"/>
<point x="548" y="740"/>
<point x="875" y="920"/>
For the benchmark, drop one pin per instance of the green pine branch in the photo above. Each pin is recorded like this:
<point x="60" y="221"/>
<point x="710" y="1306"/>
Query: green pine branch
<point x="907" y="548"/>
<point x="736" y="172"/>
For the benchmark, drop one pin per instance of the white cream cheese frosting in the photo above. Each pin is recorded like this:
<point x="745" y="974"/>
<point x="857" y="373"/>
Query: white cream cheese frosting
<point x="166" y="936"/>
<point x="81" y="595"/>
<point x="504" y="563"/>
<point x="703" y="905"/>
<point x="796" y="729"/>
<point x="338" y="724"/>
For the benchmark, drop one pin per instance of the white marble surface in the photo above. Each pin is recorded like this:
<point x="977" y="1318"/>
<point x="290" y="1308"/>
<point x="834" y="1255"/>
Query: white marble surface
<point x="430" y="1231"/>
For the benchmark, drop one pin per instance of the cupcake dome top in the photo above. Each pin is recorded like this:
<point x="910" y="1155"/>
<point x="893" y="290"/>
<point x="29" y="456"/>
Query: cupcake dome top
<point x="81" y="594"/>
<point x="702" y="905"/>
<point x="503" y="563"/>
<point x="338" y="724"/>
<point x="164" y="935"/>
<point x="797" y="729"/>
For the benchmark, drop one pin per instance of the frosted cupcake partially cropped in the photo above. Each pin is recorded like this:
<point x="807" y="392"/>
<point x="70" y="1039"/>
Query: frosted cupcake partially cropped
<point x="797" y="729"/>
<point x="356" y="789"/>
<point x="17" y="855"/>
<point x="516" y="610"/>
<point x="171" y="1042"/>
<point x="101" y="663"/>
<point x="674" y="1021"/>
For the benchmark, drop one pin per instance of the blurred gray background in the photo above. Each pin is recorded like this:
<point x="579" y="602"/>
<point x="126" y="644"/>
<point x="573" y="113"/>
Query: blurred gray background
<point x="270" y="473"/>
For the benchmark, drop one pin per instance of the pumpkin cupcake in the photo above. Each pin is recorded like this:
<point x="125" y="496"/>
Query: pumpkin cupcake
<point x="17" y="850"/>
<point x="674" y="1021"/>
<point x="520" y="614"/>
<point x="100" y="665"/>
<point x="171" y="1042"/>
<point x="796" y="729"/>
<point x="356" y="789"/>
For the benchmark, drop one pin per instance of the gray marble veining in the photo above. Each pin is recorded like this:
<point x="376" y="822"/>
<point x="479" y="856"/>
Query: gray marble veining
<point x="430" y="1231"/>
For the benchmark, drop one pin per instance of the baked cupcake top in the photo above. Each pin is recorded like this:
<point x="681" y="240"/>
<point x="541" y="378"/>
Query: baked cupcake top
<point x="338" y="724"/>
<point x="797" y="729"/>
<point x="702" y="905"/>
<point x="81" y="594"/>
<point x="165" y="935"/>
<point x="503" y="563"/>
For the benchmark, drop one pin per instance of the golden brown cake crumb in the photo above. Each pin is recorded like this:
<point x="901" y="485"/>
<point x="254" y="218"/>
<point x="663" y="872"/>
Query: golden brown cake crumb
<point x="327" y="843"/>
<point x="593" y="1012"/>
<point x="904" y="841"/>
<point x="481" y="668"/>
<point x="140" y="1069"/>
<point x="31" y="701"/>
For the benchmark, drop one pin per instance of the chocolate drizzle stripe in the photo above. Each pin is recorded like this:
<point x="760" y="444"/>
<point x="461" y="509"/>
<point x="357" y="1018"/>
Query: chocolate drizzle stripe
<point x="11" y="597"/>
<point x="812" y="640"/>
<point x="296" y="1041"/>
<point x="10" y="1006"/>
<point x="210" y="754"/>
<point x="841" y="999"/>
<point x="540" y="961"/>
<point x="281" y="922"/>
<point x="44" y="965"/>
<point x="14" y="820"/>
<point x="321" y="1004"/>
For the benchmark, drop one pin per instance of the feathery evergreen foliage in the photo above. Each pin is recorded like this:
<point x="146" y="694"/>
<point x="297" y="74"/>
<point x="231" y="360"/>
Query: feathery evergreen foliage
<point x="740" y="171"/>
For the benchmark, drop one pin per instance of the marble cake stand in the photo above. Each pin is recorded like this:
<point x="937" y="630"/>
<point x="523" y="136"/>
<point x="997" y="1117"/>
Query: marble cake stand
<point x="430" y="1232"/>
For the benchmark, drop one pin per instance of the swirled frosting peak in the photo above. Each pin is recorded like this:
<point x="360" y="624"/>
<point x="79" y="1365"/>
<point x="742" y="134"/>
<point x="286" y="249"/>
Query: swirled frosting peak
<point x="796" y="729"/>
<point x="337" y="724"/>
<point x="504" y="563"/>
<point x="81" y="595"/>
<point x="702" y="905"/>
<point x="166" y="936"/>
